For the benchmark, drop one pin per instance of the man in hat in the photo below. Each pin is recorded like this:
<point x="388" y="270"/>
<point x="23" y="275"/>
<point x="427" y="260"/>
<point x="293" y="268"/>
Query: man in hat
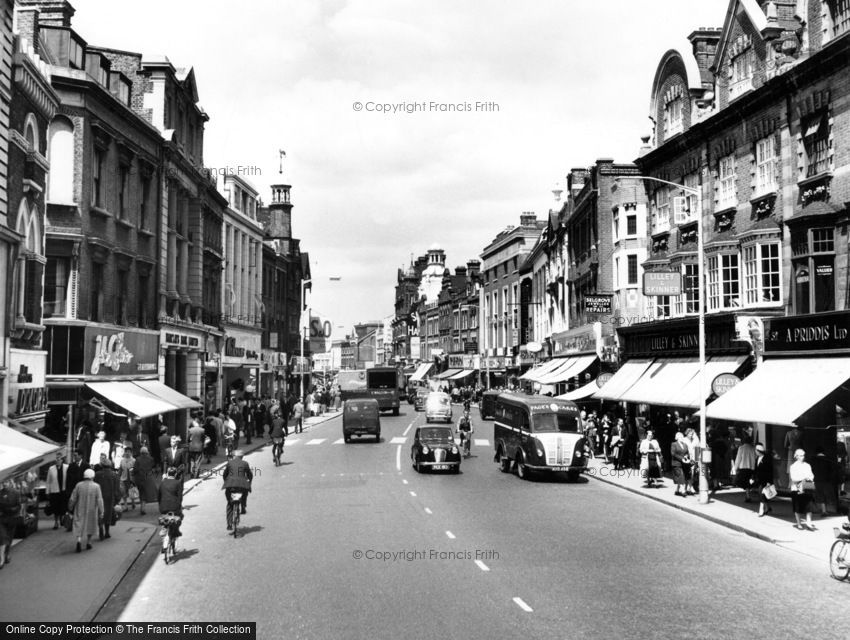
<point x="143" y="476"/>
<point x="87" y="504"/>
<point x="163" y="442"/>
<point x="237" y="475"/>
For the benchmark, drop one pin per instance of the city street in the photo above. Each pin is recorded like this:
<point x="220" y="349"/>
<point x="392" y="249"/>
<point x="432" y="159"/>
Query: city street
<point x="349" y="541"/>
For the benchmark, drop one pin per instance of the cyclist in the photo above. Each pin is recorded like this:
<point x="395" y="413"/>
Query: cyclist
<point x="278" y="436"/>
<point x="228" y="434"/>
<point x="237" y="476"/>
<point x="464" y="427"/>
<point x="170" y="496"/>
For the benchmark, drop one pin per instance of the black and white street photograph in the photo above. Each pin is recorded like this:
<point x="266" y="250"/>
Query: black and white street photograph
<point x="381" y="319"/>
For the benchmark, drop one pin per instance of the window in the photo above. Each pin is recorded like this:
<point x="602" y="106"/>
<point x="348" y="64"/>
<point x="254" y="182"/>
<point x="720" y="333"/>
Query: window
<point x="723" y="281"/>
<point x="123" y="190"/>
<point x="813" y="269"/>
<point x="631" y="224"/>
<point x="816" y="144"/>
<point x="121" y="295"/>
<point x="840" y="16"/>
<point x="632" y="266"/>
<point x="123" y="90"/>
<point x="60" y="178"/>
<point x="616" y="221"/>
<point x="76" y="54"/>
<point x="688" y="302"/>
<point x="691" y="181"/>
<point x="762" y="268"/>
<point x="727" y="196"/>
<point x="97" y="178"/>
<point x="103" y="76"/>
<point x="661" y="219"/>
<point x="56" y="279"/>
<point x="96" y="292"/>
<point x="662" y="306"/>
<point x="616" y="273"/>
<point x="741" y="73"/>
<point x="765" y="166"/>
<point x="143" y="206"/>
<point x="143" y="313"/>
<point x="30" y="136"/>
<point x="673" y="123"/>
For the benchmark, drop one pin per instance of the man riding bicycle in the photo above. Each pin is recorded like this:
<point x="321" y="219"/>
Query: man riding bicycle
<point x="237" y="478"/>
<point x="170" y="497"/>
<point x="278" y="435"/>
<point x="464" y="427"/>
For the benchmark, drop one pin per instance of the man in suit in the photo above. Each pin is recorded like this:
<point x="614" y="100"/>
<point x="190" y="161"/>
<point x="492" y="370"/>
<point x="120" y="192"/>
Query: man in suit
<point x="75" y="470"/>
<point x="237" y="475"/>
<point x="163" y="442"/>
<point x="139" y="438"/>
<point x="175" y="456"/>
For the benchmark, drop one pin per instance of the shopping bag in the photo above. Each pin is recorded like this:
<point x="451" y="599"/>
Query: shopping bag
<point x="769" y="491"/>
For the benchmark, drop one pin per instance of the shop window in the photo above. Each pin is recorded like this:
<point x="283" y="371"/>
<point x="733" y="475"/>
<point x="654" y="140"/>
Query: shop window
<point x="765" y="158"/>
<point x="816" y="136"/>
<point x="726" y="176"/>
<point x="723" y="283"/>
<point x="813" y="252"/>
<point x="762" y="274"/>
<point x="60" y="178"/>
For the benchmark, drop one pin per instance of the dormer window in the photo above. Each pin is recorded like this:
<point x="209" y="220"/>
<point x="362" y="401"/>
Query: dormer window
<point x="673" y="111"/>
<point x="838" y="14"/>
<point x="741" y="72"/>
<point x="661" y="213"/>
<point x="726" y="193"/>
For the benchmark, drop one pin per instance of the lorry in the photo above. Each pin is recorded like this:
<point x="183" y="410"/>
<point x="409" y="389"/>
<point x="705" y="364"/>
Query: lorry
<point x="380" y="383"/>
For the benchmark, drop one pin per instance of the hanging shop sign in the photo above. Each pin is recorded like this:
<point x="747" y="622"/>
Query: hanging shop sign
<point x="598" y="303"/>
<point x="602" y="378"/>
<point x="587" y="339"/>
<point x="27" y="389"/>
<point x="242" y="349"/>
<point x="109" y="353"/>
<point x="722" y="383"/>
<point x="824" y="332"/>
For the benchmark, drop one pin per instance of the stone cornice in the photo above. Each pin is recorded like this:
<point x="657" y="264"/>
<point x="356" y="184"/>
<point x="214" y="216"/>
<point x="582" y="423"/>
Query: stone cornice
<point x="30" y="81"/>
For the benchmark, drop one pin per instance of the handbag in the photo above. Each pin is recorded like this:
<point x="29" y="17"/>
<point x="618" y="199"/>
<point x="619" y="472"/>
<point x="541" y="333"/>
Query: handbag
<point x="67" y="522"/>
<point x="769" y="491"/>
<point x="807" y="486"/>
<point x="134" y="494"/>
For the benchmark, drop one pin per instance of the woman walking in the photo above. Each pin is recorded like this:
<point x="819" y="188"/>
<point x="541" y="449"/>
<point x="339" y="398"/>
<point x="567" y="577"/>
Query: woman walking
<point x="802" y="478"/>
<point x="650" y="458"/>
<point x="762" y="479"/>
<point x="125" y="477"/>
<point x="87" y="504"/>
<point x="110" y="489"/>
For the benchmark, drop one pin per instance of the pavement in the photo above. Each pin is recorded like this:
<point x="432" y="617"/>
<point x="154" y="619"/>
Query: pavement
<point x="47" y="581"/>
<point x="727" y="507"/>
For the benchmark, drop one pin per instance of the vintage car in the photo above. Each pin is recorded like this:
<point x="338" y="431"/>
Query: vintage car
<point x="435" y="448"/>
<point x="438" y="406"/>
<point x="487" y="405"/>
<point x="419" y="399"/>
<point x="361" y="417"/>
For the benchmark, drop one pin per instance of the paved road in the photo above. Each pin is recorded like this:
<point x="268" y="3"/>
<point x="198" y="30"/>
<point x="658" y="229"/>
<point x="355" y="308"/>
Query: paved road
<point x="554" y="559"/>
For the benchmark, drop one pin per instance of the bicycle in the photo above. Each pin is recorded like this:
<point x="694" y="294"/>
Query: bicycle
<point x="277" y="450"/>
<point x="839" y="563"/>
<point x="228" y="447"/>
<point x="170" y="532"/>
<point x="234" y="508"/>
<point x="466" y="442"/>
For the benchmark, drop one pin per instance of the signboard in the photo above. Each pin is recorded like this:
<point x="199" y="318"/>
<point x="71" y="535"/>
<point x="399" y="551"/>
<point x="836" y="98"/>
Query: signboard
<point x="27" y="387"/>
<point x="587" y="339"/>
<point x="320" y="334"/>
<point x="300" y="366"/>
<point x="109" y="352"/>
<point x="602" y="378"/>
<point x="722" y="383"/>
<point x="815" y="332"/>
<point x="598" y="303"/>
<point x="662" y="283"/>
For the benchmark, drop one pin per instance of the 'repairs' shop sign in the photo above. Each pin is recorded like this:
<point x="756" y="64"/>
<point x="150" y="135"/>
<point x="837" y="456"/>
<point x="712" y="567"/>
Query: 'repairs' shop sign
<point x="818" y="332"/>
<point x="110" y="353"/>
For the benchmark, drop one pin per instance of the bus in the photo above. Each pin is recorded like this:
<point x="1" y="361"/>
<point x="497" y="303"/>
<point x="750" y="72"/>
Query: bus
<point x="538" y="434"/>
<point x="382" y="383"/>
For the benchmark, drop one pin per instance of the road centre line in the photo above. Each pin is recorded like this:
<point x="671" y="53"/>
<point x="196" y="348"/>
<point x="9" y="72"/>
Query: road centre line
<point x="340" y="441"/>
<point x="522" y="605"/>
<point x="482" y="566"/>
<point x="428" y="511"/>
<point x="404" y="481"/>
<point x="413" y="494"/>
<point x="398" y="458"/>
<point x="450" y="535"/>
<point x="408" y="428"/>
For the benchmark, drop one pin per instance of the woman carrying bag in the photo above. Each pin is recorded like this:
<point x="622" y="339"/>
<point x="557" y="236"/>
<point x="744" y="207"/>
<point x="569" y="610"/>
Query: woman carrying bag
<point x="650" y="458"/>
<point x="802" y="488"/>
<point x="763" y="480"/>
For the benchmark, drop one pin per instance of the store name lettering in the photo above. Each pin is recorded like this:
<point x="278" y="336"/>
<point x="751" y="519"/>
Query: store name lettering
<point x="814" y="334"/>
<point x="231" y="350"/>
<point x="110" y="352"/>
<point x="31" y="401"/>
<point x="178" y="338"/>
<point x="665" y="343"/>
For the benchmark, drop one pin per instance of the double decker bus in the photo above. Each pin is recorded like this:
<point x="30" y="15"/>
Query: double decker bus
<point x="538" y="434"/>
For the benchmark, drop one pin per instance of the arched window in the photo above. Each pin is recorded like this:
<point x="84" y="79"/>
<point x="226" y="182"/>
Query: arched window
<point x="30" y="265"/>
<point x="31" y="132"/>
<point x="60" y="185"/>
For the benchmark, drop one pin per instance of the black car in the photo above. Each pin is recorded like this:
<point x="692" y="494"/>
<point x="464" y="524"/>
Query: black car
<point x="419" y="399"/>
<point x="434" y="448"/>
<point x="487" y="405"/>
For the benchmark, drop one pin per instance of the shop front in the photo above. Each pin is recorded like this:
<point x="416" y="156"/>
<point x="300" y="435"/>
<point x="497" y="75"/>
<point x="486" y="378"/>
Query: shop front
<point x="494" y="371"/>
<point x="575" y="362"/>
<point x="799" y="395"/>
<point x="463" y="369"/>
<point x="181" y="367"/>
<point x="272" y="381"/>
<point x="241" y="364"/>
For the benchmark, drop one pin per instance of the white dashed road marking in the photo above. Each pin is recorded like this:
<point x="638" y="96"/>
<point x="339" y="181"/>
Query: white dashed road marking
<point x="483" y="566"/>
<point x="428" y="511"/>
<point x="408" y="429"/>
<point x="398" y="458"/>
<point x="316" y="441"/>
<point x="481" y="442"/>
<point x="340" y="441"/>
<point x="450" y="535"/>
<point x="521" y="604"/>
<point x="413" y="494"/>
<point x="404" y="481"/>
<point x="398" y="440"/>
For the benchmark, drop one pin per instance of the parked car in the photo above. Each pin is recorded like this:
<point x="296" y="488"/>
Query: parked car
<point x="361" y="417"/>
<point x="434" y="448"/>
<point x="487" y="406"/>
<point x="419" y="399"/>
<point x="438" y="406"/>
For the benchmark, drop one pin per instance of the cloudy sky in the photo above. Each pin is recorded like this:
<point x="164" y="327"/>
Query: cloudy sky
<point x="569" y="82"/>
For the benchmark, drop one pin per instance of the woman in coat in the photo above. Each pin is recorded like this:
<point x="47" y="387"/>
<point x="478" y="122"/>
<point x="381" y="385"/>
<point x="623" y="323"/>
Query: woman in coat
<point x="110" y="489"/>
<point x="87" y="504"/>
<point x="650" y="458"/>
<point x="143" y="476"/>
<point x="762" y="477"/>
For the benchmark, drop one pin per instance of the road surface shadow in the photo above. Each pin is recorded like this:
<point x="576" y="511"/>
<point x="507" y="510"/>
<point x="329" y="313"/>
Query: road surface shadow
<point x="246" y="530"/>
<point x="185" y="554"/>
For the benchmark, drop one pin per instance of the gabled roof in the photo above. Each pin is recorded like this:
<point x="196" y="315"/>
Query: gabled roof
<point x="761" y="23"/>
<point x="186" y="77"/>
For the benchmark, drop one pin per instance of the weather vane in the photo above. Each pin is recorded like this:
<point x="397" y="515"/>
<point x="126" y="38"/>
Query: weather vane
<point x="282" y="156"/>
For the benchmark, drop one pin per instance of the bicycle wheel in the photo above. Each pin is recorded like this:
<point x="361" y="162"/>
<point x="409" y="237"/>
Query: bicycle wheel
<point x="838" y="560"/>
<point x="235" y="518"/>
<point x="170" y="550"/>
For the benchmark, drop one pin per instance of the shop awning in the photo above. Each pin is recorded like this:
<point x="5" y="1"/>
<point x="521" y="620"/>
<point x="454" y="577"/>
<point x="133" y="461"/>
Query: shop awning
<point x="570" y="368"/>
<point x="535" y="373"/>
<point x="448" y="373"/>
<point x="688" y="394"/>
<point x="168" y="394"/>
<point x="581" y="393"/>
<point x="132" y="398"/>
<point x="462" y="374"/>
<point x="780" y="391"/>
<point x="20" y="452"/>
<point x="421" y="371"/>
<point x="622" y="381"/>
<point x="661" y="382"/>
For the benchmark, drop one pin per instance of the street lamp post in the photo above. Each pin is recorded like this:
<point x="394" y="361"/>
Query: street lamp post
<point x="703" y="480"/>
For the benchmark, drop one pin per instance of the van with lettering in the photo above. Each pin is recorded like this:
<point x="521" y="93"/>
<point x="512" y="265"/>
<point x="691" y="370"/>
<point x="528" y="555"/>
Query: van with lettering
<point x="535" y="433"/>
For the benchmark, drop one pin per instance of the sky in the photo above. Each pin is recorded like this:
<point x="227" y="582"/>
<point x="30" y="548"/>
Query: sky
<point x="490" y="104"/>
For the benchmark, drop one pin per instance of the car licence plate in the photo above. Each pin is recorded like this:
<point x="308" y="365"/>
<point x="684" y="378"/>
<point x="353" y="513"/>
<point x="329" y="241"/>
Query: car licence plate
<point x="561" y="468"/>
<point x="441" y="467"/>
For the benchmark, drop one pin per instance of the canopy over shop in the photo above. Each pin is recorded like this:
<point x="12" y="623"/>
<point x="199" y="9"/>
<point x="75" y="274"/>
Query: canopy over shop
<point x="21" y="451"/>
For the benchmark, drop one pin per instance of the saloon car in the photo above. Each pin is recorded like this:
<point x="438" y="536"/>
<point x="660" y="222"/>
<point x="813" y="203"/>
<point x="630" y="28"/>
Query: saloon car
<point x="438" y="406"/>
<point x="419" y="399"/>
<point x="434" y="448"/>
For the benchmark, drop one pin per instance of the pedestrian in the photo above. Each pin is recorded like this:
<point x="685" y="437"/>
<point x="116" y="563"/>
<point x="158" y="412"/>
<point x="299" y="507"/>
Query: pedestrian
<point x="692" y="472"/>
<point x="210" y="438"/>
<point x="259" y="419"/>
<point x="110" y="491"/>
<point x="143" y="477"/>
<point x="56" y="486"/>
<point x="86" y="502"/>
<point x="237" y="475"/>
<point x="802" y="486"/>
<point x="129" y="491"/>
<point x="84" y="439"/>
<point x="175" y="456"/>
<point x="235" y="414"/>
<point x="196" y="447"/>
<point x="745" y="464"/>
<point x="720" y="466"/>
<point x="615" y="447"/>
<point x="680" y="458"/>
<point x="297" y="419"/>
<point x="118" y="447"/>
<point x="75" y="470"/>
<point x="650" y="458"/>
<point x="99" y="447"/>
<point x="163" y="442"/>
<point x="10" y="513"/>
<point x="825" y="486"/>
<point x="139" y="438"/>
<point x="763" y="480"/>
<point x="247" y="420"/>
